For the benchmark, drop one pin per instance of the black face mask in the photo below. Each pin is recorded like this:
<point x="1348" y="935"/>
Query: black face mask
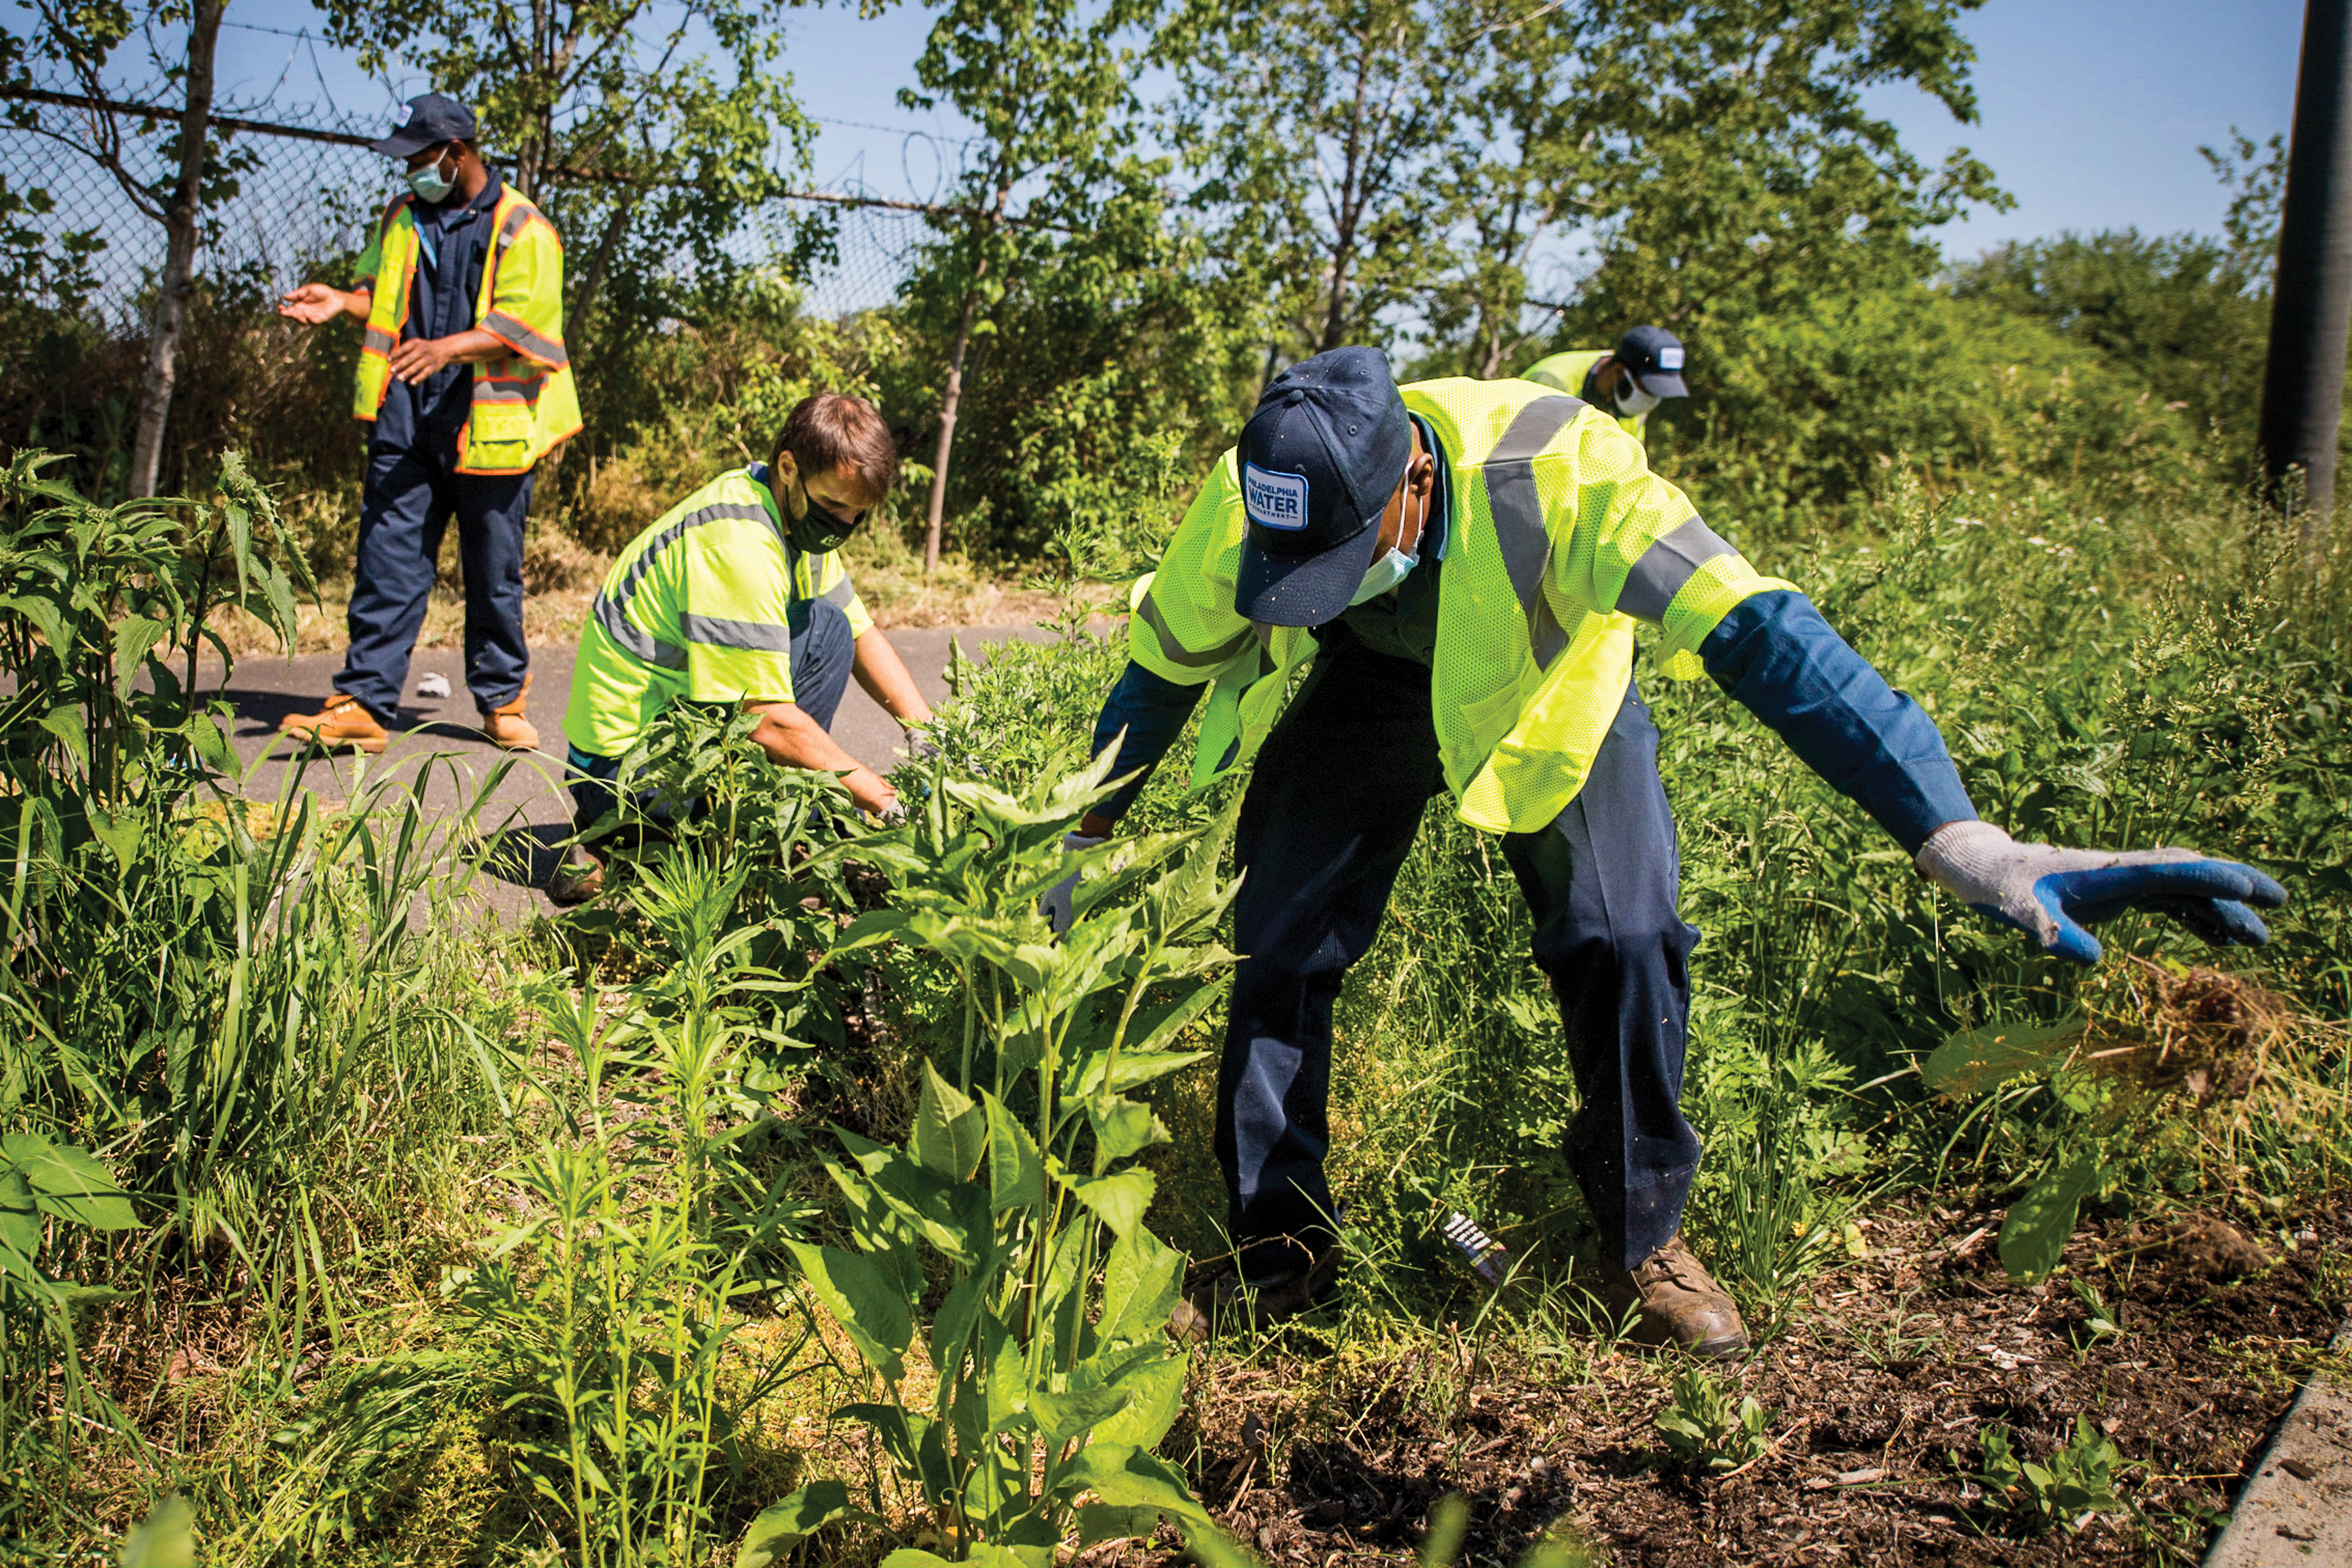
<point x="816" y="531"/>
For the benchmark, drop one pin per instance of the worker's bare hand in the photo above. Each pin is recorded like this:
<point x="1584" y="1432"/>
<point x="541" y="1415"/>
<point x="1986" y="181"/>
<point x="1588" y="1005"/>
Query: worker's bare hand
<point x="313" y="304"/>
<point x="418" y="358"/>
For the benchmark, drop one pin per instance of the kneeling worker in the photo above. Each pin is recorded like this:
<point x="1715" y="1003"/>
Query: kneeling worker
<point x="1462" y="562"/>
<point x="1643" y="371"/>
<point x="739" y="594"/>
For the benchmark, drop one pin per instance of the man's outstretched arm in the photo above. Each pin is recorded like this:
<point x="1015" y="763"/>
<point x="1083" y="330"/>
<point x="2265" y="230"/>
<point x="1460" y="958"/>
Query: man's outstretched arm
<point x="1775" y="656"/>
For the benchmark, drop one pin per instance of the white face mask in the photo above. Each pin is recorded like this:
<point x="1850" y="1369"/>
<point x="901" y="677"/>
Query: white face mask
<point x="1385" y="573"/>
<point x="1635" y="401"/>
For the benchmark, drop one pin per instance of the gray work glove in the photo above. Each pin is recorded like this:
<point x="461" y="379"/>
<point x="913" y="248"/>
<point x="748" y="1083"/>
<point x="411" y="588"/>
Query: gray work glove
<point x="1056" y="903"/>
<point x="921" y="747"/>
<point x="2055" y="893"/>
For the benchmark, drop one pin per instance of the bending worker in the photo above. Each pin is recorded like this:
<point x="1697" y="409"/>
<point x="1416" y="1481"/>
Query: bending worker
<point x="739" y="594"/>
<point x="1462" y="563"/>
<point x="465" y="384"/>
<point x="1643" y="371"/>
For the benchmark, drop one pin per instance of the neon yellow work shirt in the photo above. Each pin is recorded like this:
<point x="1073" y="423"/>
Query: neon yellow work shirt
<point x="699" y="607"/>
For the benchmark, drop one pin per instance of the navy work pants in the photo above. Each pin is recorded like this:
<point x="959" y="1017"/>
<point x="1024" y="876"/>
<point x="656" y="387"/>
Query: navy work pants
<point x="411" y="492"/>
<point x="1332" y="808"/>
<point x="825" y="649"/>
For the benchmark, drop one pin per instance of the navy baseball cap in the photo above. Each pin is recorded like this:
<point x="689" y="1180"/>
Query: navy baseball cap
<point x="1654" y="356"/>
<point x="1319" y="461"/>
<point x="431" y="119"/>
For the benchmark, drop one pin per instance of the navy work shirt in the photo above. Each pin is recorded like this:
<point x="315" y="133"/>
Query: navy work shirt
<point x="453" y="245"/>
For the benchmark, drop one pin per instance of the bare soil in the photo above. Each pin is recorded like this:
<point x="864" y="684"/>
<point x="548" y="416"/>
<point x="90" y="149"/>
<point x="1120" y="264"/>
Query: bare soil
<point x="1875" y="1388"/>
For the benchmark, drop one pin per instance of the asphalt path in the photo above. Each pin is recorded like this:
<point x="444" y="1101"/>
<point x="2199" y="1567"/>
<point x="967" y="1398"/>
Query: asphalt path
<point x="528" y="811"/>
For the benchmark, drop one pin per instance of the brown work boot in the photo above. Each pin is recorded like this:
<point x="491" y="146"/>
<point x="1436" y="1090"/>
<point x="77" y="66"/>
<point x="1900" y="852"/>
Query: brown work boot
<point x="507" y="728"/>
<point x="1226" y="1299"/>
<point x="340" y="723"/>
<point x="580" y="878"/>
<point x="1680" y="1304"/>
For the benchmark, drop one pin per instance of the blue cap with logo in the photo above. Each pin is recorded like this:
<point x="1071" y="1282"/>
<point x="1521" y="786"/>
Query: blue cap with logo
<point x="1319" y="461"/>
<point x="431" y="119"/>
<point x="1654" y="356"/>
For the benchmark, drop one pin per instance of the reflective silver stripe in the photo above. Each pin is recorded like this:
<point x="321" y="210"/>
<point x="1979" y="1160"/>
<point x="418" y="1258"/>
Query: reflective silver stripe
<point x="718" y="631"/>
<point x="376" y="340"/>
<point x="841" y="593"/>
<point x="1173" y="648"/>
<point x="612" y="609"/>
<point x="518" y="336"/>
<point x="489" y="391"/>
<point x="633" y="638"/>
<point x="511" y="230"/>
<point x="1511" y="496"/>
<point x="1665" y="566"/>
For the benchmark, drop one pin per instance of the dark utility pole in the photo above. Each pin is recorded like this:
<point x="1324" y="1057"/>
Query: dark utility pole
<point x="2303" y="386"/>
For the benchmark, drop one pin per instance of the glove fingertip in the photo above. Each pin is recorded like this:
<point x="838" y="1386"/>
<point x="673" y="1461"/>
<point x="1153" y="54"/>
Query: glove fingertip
<point x="2071" y="942"/>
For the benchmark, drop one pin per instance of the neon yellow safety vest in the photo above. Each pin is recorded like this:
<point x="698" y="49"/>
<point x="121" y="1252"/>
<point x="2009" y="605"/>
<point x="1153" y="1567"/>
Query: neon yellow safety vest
<point x="699" y="606"/>
<point x="1559" y="540"/>
<point x="523" y="403"/>
<point x="1567" y="372"/>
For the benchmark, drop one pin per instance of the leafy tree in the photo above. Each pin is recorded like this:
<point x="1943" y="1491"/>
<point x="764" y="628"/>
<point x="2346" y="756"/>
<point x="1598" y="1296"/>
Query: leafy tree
<point x="1320" y="132"/>
<point x="645" y="146"/>
<point x="76" y="43"/>
<point x="1052" y="89"/>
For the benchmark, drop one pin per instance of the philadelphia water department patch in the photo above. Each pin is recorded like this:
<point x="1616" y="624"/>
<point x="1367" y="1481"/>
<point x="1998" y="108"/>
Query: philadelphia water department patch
<point x="1273" y="500"/>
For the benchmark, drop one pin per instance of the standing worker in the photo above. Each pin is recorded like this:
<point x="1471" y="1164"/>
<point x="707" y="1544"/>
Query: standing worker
<point x="463" y="376"/>
<point x="739" y="594"/>
<point x="1462" y="563"/>
<point x="1643" y="371"/>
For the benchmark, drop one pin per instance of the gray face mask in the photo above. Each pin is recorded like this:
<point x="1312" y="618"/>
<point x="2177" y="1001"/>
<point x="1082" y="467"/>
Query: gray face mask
<point x="1634" y="400"/>
<point x="1385" y="573"/>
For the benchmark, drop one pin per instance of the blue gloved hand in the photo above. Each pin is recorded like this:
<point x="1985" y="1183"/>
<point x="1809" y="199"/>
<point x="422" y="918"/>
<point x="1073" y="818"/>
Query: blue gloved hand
<point x="2055" y="893"/>
<point x="1054" y="905"/>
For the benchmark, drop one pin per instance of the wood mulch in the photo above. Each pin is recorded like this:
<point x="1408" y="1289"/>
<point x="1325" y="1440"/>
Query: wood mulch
<point x="1877" y="1391"/>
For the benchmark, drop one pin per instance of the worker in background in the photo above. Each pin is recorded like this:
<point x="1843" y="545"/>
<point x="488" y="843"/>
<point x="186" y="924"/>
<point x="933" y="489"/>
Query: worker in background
<point x="1643" y="371"/>
<point x="1457" y="568"/>
<point x="465" y="385"/>
<point x="739" y="594"/>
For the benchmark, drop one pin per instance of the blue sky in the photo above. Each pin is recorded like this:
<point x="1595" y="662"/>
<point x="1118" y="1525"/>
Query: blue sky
<point x="2092" y="110"/>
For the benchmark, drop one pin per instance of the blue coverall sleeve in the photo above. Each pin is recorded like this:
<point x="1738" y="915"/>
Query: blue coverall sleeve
<point x="1153" y="709"/>
<point x="1775" y="655"/>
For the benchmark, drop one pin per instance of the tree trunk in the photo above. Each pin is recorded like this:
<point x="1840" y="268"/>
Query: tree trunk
<point x="179" y="252"/>
<point x="947" y="422"/>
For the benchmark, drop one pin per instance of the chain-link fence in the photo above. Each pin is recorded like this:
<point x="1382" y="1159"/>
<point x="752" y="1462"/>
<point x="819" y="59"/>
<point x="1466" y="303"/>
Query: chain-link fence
<point x="307" y="192"/>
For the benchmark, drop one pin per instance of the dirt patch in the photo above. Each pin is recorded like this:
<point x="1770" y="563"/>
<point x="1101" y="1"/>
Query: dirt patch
<point x="1878" y="1386"/>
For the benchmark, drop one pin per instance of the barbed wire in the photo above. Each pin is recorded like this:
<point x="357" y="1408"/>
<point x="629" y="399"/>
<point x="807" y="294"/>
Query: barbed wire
<point x="311" y="189"/>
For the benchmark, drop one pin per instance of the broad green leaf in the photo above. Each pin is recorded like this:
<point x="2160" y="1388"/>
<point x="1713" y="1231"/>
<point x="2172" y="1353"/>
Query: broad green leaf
<point x="1140" y="1279"/>
<point x="864" y="1301"/>
<point x="134" y="636"/>
<point x="1016" y="1175"/>
<point x="64" y="722"/>
<point x="1970" y="1062"/>
<point x="1100" y="1521"/>
<point x="121" y="834"/>
<point x="69" y="1183"/>
<point x="950" y="1132"/>
<point x="1128" y="1477"/>
<point x="783" y="1526"/>
<point x="2040" y="1223"/>
<point x="20" y="1222"/>
<point x="957" y="1316"/>
<point x="1155" y="1395"/>
<point x="1118" y="1200"/>
<point x="1062" y="1417"/>
<point x="165" y="1539"/>
<point x="913" y="1557"/>
<point x="1123" y="1128"/>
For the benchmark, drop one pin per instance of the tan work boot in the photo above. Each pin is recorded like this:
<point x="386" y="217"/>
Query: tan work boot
<point x="1681" y="1305"/>
<point x="507" y="728"/>
<point x="342" y="723"/>
<point x="580" y="878"/>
